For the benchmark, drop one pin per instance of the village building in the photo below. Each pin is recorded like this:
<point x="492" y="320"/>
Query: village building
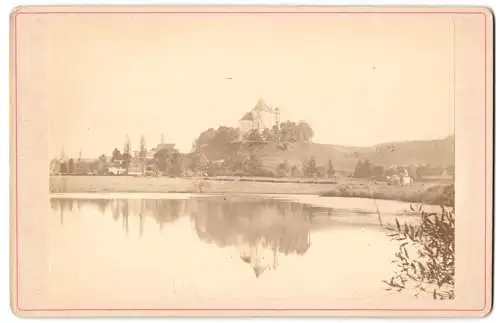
<point x="400" y="176"/>
<point x="261" y="117"/>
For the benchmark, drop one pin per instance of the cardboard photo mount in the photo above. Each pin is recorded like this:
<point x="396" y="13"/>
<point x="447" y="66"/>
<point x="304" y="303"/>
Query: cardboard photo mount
<point x="473" y="128"/>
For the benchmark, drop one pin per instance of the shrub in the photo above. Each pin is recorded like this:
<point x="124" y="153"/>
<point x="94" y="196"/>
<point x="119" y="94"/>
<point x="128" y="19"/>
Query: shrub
<point x="426" y="255"/>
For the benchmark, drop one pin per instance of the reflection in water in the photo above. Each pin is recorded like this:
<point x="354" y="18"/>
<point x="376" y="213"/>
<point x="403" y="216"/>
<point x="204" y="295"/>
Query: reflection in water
<point x="193" y="251"/>
<point x="258" y="229"/>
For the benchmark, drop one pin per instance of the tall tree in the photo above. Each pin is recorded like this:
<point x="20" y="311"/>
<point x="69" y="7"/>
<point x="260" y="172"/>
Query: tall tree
<point x="305" y="130"/>
<point x="71" y="165"/>
<point x="205" y="138"/>
<point x="225" y="135"/>
<point x="412" y="172"/>
<point x="363" y="169"/>
<point x="176" y="164"/>
<point x="63" y="168"/>
<point x="254" y="136"/>
<point x="142" y="148"/>
<point x="310" y="168"/>
<point x="267" y="135"/>
<point x="126" y="154"/>
<point x="288" y="133"/>
<point x="253" y="165"/>
<point x="101" y="164"/>
<point x="295" y="171"/>
<point x="143" y="153"/>
<point x="162" y="159"/>
<point x="102" y="158"/>
<point x="116" y="155"/>
<point x="283" y="169"/>
<point x="331" y="170"/>
<point x="199" y="162"/>
<point x="377" y="171"/>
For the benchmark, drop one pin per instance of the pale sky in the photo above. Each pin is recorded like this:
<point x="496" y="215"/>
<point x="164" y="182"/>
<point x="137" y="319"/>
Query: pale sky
<point x="356" y="79"/>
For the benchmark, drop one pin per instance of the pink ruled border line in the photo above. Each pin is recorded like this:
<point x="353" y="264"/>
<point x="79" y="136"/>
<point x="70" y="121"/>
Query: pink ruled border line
<point x="16" y="125"/>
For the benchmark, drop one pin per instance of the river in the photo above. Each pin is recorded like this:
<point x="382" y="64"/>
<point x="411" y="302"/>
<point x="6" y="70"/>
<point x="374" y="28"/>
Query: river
<point x="192" y="250"/>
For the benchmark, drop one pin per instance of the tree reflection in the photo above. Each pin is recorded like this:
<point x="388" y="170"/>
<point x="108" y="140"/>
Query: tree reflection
<point x="259" y="229"/>
<point x="162" y="211"/>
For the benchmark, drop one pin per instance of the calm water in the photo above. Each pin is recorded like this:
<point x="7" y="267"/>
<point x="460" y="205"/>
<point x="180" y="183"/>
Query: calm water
<point x="191" y="250"/>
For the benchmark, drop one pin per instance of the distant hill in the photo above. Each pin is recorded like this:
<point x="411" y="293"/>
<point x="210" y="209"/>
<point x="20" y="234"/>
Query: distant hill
<point x="439" y="152"/>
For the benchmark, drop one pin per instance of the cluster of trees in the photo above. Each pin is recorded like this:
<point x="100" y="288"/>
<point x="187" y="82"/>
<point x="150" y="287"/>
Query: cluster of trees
<point x="427" y="170"/>
<point x="67" y="167"/>
<point x="309" y="169"/>
<point x="223" y="136"/>
<point x="116" y="156"/>
<point x="226" y="143"/>
<point x="78" y="167"/>
<point x="238" y="164"/>
<point x="287" y="131"/>
<point x="365" y="169"/>
<point x="165" y="161"/>
<point x="293" y="132"/>
<point x="212" y="146"/>
<point x="124" y="158"/>
<point x="168" y="162"/>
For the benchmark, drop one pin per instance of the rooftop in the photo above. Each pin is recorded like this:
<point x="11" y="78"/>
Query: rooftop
<point x="262" y="106"/>
<point x="248" y="116"/>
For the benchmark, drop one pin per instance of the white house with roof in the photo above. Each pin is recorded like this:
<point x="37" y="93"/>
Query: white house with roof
<point x="261" y="117"/>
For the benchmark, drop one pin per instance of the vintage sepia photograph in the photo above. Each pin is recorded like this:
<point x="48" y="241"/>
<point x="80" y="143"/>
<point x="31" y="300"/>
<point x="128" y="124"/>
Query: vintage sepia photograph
<point x="258" y="159"/>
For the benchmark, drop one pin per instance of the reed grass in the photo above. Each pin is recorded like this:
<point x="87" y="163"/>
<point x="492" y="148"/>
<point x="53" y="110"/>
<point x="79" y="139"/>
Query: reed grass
<point x="425" y="258"/>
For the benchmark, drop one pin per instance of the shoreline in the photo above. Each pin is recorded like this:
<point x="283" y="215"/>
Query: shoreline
<point x="420" y="192"/>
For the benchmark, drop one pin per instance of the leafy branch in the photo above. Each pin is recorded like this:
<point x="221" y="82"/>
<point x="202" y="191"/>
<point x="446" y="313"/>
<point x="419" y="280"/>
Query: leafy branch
<point x="426" y="255"/>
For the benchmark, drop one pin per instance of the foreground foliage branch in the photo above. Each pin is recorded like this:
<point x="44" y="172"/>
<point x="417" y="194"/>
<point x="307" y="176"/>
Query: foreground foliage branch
<point x="426" y="255"/>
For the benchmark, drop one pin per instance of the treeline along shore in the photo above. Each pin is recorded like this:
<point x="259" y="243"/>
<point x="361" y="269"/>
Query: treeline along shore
<point x="424" y="192"/>
<point x="267" y="156"/>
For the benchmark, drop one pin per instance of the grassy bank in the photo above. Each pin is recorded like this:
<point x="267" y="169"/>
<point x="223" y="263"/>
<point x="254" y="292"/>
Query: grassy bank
<point x="430" y="193"/>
